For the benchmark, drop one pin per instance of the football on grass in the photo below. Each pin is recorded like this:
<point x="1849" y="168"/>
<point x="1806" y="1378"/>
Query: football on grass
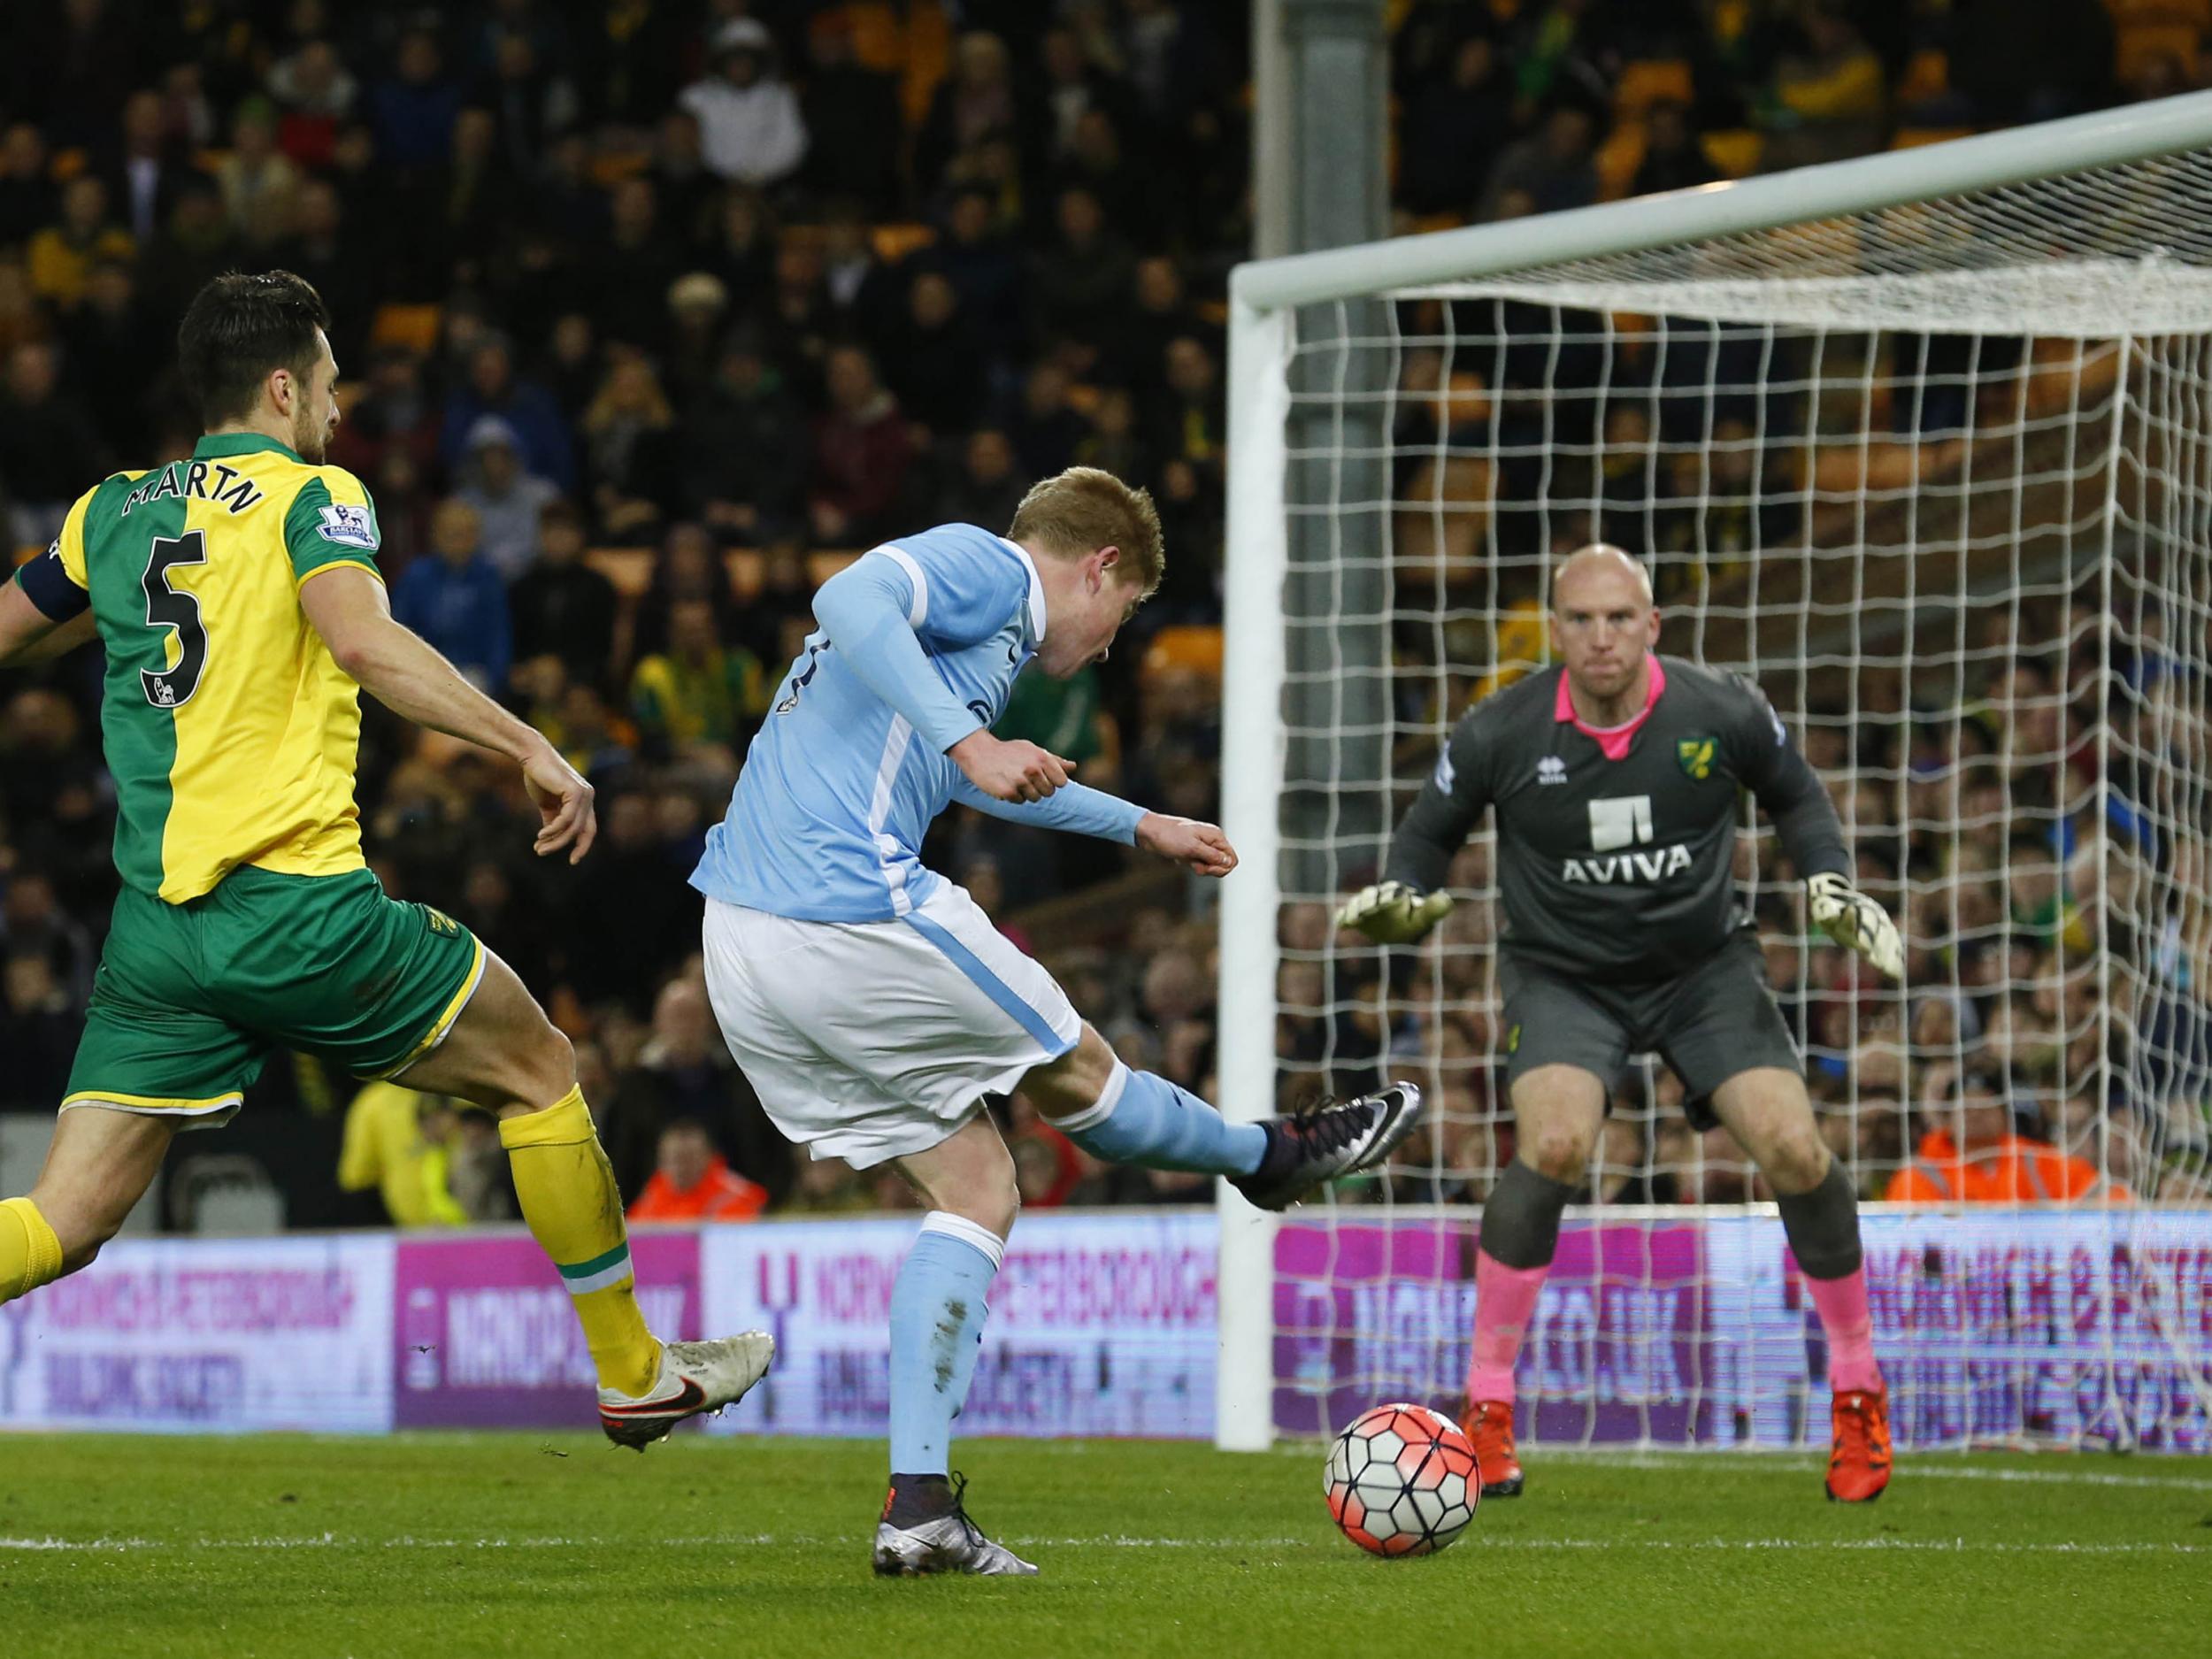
<point x="1401" y="1480"/>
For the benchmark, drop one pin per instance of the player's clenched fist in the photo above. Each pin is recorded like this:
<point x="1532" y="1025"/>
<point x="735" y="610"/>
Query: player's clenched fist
<point x="1853" y="920"/>
<point x="1392" y="913"/>
<point x="1010" y="772"/>
<point x="1201" y="848"/>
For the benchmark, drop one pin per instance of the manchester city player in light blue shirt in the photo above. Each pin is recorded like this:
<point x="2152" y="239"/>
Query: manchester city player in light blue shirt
<point x="873" y="1005"/>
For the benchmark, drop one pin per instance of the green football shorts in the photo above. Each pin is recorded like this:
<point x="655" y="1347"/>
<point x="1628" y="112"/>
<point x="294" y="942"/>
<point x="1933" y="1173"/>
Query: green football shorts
<point x="192" y="998"/>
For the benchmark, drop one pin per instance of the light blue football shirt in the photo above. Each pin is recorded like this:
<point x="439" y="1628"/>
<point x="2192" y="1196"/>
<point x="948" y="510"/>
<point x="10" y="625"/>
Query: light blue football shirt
<point x="839" y="787"/>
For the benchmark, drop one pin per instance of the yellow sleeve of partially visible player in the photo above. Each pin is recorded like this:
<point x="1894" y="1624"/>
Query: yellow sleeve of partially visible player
<point x="332" y="521"/>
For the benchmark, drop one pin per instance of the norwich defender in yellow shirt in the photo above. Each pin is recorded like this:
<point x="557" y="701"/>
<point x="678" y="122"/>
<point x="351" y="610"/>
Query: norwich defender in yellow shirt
<point x="237" y="596"/>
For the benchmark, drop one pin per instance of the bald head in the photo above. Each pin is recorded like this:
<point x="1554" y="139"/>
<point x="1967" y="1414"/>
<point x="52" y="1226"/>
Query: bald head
<point x="1597" y="563"/>
<point x="1603" y="624"/>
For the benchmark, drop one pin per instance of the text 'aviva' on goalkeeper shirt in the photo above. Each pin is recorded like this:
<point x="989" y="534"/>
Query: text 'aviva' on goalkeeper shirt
<point x="1616" y="849"/>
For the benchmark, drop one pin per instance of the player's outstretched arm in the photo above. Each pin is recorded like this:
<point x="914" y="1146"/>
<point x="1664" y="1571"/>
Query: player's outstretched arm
<point x="1200" y="848"/>
<point x="1409" y="899"/>
<point x="400" y="670"/>
<point x="28" y="635"/>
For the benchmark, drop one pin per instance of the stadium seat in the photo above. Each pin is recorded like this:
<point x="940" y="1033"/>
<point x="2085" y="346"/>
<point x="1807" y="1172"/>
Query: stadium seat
<point x="2127" y="14"/>
<point x="1913" y="137"/>
<point x="629" y="568"/>
<point x="1735" y="150"/>
<point x="2140" y="44"/>
<point x="1927" y="75"/>
<point x="1651" y="80"/>
<point x="411" y="327"/>
<point x="1184" y="646"/>
<point x="894" y="242"/>
<point x="1618" y="158"/>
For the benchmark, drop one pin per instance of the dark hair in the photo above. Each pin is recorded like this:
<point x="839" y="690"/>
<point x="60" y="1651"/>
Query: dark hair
<point x="237" y="331"/>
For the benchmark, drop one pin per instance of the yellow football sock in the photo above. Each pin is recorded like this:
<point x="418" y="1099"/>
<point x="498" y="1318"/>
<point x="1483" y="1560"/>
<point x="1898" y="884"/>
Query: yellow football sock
<point x="30" y="1255"/>
<point x="575" y="1208"/>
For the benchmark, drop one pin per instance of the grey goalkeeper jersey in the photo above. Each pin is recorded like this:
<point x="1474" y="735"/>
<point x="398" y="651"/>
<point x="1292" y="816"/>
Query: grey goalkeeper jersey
<point x="1618" y="870"/>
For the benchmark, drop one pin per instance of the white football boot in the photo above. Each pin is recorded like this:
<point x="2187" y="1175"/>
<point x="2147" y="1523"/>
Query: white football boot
<point x="945" y="1543"/>
<point x="695" y="1378"/>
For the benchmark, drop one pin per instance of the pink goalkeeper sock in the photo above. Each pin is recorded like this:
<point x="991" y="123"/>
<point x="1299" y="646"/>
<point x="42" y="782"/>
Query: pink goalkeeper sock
<point x="1842" y="1304"/>
<point x="1505" y="1299"/>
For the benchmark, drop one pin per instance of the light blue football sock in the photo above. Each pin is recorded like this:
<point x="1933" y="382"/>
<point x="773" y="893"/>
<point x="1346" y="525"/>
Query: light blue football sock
<point x="1142" y="1117"/>
<point x="937" y="1314"/>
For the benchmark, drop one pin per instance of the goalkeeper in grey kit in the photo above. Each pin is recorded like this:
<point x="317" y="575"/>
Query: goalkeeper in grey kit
<point x="1616" y="779"/>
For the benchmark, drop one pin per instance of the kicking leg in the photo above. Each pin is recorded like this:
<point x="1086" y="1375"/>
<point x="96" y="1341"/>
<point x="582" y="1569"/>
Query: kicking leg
<point x="938" y="1308"/>
<point x="1766" y="1108"/>
<point x="98" y="1167"/>
<point x="503" y="1054"/>
<point x="1557" y="1112"/>
<point x="1139" y="1117"/>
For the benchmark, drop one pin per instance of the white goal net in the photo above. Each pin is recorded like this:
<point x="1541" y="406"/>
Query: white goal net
<point x="1934" y="466"/>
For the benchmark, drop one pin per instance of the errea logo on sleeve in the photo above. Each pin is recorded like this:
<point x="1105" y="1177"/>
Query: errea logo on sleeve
<point x="349" y="527"/>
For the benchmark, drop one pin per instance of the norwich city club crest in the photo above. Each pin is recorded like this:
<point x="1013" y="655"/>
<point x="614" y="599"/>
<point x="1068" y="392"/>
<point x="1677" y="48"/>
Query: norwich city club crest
<point x="1696" y="755"/>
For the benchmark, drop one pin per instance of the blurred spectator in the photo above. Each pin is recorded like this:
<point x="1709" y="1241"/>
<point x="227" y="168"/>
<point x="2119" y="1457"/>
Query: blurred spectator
<point x="692" y="1182"/>
<point x="745" y="443"/>
<point x="143" y="179"/>
<point x="634" y="454"/>
<point x="698" y="690"/>
<point x="1551" y="169"/>
<point x="1452" y="131"/>
<point x="1974" y="1155"/>
<point x="1829" y="98"/>
<point x="855" y="131"/>
<point x="260" y="181"/>
<point x="562" y="607"/>
<point x="109" y="340"/>
<point x="861" y="455"/>
<point x="49" y="451"/>
<point x="29" y="199"/>
<point x="61" y="256"/>
<point x="39" y="1027"/>
<point x="316" y="93"/>
<point x="508" y="501"/>
<point x="413" y="110"/>
<point x="750" y="129"/>
<point x="1673" y="159"/>
<point x="317" y="247"/>
<point x="400" y="1144"/>
<point x="683" y="1074"/>
<point x="985" y="488"/>
<point x="971" y="106"/>
<point x="493" y="389"/>
<point x="455" y="600"/>
<point x="939" y="364"/>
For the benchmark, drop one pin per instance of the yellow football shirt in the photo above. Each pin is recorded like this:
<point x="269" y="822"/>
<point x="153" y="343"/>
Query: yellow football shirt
<point x="230" y="730"/>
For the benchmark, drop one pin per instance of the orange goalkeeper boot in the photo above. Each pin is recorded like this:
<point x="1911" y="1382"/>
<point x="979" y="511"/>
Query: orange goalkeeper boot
<point x="1489" y="1426"/>
<point x="1858" y="1460"/>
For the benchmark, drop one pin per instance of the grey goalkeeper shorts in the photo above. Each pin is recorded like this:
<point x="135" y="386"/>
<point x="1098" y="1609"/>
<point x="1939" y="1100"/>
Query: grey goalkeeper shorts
<point x="1715" y="1020"/>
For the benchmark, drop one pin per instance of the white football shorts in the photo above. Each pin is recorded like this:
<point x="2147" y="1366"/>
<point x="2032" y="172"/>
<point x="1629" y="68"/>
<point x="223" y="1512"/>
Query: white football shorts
<point x="870" y="1041"/>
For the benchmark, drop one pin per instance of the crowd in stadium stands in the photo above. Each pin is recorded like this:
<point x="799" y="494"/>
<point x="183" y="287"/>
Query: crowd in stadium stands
<point x="650" y="311"/>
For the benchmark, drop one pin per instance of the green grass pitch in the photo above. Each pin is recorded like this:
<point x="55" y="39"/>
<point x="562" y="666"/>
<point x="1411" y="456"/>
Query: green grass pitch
<point x="458" y="1545"/>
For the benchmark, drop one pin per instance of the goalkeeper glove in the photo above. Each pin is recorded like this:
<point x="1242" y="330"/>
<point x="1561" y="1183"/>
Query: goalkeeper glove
<point x="1392" y="913"/>
<point x="1852" y="919"/>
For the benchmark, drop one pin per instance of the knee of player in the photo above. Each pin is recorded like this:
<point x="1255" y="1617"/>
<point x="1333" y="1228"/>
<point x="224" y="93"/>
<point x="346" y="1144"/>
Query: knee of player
<point x="1560" y="1154"/>
<point x="80" y="1231"/>
<point x="991" y="1200"/>
<point x="1797" y="1162"/>
<point x="1073" y="1083"/>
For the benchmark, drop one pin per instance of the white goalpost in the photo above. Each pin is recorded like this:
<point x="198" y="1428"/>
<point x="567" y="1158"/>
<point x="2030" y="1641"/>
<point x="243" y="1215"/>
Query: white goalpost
<point x="1923" y="442"/>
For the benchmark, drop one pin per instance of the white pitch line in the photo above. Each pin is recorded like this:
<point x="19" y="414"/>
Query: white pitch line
<point x="327" y="1541"/>
<point x="1931" y="1466"/>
